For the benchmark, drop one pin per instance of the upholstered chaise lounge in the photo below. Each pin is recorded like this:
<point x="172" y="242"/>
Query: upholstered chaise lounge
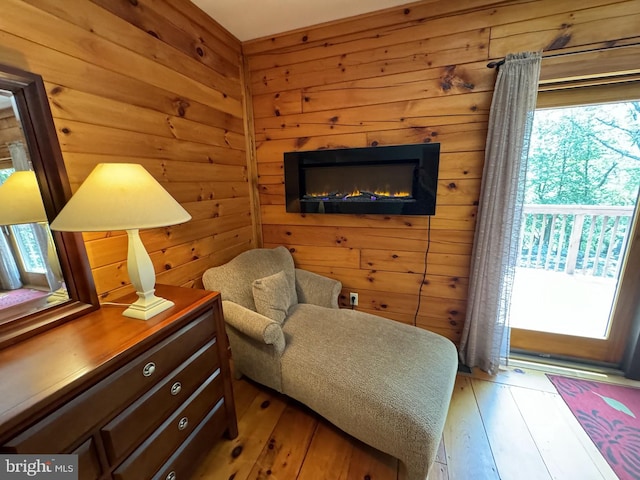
<point x="383" y="382"/>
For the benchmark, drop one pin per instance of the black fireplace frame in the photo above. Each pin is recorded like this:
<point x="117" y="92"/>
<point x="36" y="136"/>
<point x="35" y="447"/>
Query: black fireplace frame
<point x="425" y="156"/>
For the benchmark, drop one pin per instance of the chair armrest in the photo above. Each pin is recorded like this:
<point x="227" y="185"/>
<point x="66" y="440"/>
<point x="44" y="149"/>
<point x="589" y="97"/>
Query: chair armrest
<point x="254" y="325"/>
<point x="317" y="289"/>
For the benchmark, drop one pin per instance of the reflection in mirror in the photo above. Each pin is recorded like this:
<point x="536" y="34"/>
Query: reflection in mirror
<point x="30" y="275"/>
<point x="28" y="118"/>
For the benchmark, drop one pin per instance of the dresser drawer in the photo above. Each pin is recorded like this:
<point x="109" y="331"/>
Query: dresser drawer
<point x="184" y="461"/>
<point x="62" y="428"/>
<point x="146" y="460"/>
<point x="88" y="462"/>
<point x="129" y="428"/>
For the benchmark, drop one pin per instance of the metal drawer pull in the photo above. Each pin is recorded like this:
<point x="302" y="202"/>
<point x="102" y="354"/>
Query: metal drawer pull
<point x="148" y="369"/>
<point x="171" y="475"/>
<point x="175" y="388"/>
<point x="182" y="424"/>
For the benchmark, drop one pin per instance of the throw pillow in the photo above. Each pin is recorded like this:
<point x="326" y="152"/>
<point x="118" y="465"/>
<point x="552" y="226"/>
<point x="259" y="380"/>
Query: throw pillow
<point x="272" y="296"/>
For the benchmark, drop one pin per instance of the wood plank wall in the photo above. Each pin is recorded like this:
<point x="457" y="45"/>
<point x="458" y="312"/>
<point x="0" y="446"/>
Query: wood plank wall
<point x="407" y="75"/>
<point x="10" y="131"/>
<point x="155" y="82"/>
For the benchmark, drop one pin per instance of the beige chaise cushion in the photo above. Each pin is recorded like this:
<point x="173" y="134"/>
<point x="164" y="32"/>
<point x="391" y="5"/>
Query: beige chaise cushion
<point x="386" y="383"/>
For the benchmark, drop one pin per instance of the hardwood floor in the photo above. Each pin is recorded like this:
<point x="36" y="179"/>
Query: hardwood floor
<point x="511" y="426"/>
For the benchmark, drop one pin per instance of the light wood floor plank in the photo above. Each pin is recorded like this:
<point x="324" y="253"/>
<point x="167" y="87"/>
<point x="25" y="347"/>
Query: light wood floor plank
<point x="367" y="462"/>
<point x="235" y="459"/>
<point x="466" y="443"/>
<point x="441" y="454"/>
<point x="328" y="456"/>
<point x="563" y="454"/>
<point x="519" y="377"/>
<point x="282" y="456"/>
<point x="244" y="394"/>
<point x="439" y="472"/>
<point x="515" y="453"/>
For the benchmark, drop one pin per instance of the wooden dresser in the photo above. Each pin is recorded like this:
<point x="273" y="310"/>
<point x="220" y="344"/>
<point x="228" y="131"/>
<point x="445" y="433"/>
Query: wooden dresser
<point x="133" y="399"/>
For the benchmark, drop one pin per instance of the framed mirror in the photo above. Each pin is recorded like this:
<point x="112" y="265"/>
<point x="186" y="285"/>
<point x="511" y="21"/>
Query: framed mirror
<point x="45" y="277"/>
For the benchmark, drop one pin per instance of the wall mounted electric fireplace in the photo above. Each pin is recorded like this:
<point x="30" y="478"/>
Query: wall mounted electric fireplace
<point x="399" y="179"/>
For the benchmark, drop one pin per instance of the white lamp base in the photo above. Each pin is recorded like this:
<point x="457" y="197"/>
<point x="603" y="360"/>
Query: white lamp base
<point x="59" y="295"/>
<point x="143" y="309"/>
<point x="143" y="278"/>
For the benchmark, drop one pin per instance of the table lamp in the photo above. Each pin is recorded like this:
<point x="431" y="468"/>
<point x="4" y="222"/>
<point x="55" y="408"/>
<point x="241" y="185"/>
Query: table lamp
<point x="21" y="203"/>
<point x="124" y="196"/>
<point x="21" y="200"/>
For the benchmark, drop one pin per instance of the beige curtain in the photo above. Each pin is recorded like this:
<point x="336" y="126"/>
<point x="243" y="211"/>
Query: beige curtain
<point x="9" y="273"/>
<point x="485" y="337"/>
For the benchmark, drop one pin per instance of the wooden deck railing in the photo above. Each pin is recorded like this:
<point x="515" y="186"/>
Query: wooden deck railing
<point x="587" y="239"/>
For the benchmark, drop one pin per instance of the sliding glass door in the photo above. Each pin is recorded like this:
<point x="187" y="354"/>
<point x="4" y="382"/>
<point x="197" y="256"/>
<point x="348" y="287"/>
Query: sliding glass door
<point x="578" y="228"/>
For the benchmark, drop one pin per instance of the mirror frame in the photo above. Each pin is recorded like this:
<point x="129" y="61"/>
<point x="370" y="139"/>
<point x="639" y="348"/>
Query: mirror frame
<point x="48" y="164"/>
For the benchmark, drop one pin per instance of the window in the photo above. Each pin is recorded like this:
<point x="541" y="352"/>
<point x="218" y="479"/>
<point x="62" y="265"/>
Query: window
<point x="28" y="248"/>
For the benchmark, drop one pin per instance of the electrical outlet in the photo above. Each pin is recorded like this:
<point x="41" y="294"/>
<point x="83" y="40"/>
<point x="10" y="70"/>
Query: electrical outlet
<point x="353" y="299"/>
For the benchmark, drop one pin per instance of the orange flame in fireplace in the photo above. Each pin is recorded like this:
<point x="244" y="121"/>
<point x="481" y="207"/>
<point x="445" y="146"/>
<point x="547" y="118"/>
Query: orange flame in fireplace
<point x="357" y="193"/>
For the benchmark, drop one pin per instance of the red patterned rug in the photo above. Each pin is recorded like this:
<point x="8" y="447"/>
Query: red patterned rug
<point x="21" y="295"/>
<point x="610" y="414"/>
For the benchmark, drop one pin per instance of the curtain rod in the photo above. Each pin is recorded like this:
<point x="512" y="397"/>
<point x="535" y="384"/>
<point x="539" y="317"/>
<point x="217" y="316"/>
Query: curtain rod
<point x="496" y="64"/>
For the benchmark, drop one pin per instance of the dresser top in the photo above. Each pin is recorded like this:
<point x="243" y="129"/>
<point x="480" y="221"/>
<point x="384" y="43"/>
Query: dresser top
<point x="46" y="370"/>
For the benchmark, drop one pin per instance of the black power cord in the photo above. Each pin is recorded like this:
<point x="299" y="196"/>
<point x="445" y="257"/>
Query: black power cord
<point x="424" y="273"/>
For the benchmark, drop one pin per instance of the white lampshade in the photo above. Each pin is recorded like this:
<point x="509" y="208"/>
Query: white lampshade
<point x="20" y="199"/>
<point x="119" y="196"/>
<point x="124" y="196"/>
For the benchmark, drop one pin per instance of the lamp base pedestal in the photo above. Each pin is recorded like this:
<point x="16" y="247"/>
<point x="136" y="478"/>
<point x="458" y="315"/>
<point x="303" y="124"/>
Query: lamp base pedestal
<point x="143" y="279"/>
<point x="145" y="308"/>
<point x="59" y="295"/>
